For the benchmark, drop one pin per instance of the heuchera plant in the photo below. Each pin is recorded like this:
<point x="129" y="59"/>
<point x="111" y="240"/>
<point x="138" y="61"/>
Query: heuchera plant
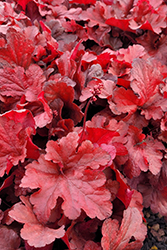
<point x="83" y="122"/>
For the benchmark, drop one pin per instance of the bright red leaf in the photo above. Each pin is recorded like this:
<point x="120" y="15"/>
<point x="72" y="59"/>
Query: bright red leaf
<point x="104" y="60"/>
<point x="23" y="3"/>
<point x="124" y="192"/>
<point x="123" y="101"/>
<point x="99" y="135"/>
<point x="122" y="24"/>
<point x="18" y="50"/>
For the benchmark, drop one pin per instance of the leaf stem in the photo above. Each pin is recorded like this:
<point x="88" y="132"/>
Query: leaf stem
<point x="84" y="122"/>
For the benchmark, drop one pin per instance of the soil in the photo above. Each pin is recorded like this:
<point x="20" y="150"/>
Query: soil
<point x="157" y="231"/>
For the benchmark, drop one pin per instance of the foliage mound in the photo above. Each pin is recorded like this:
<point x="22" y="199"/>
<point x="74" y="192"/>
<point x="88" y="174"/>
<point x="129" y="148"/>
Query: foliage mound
<point x="83" y="122"/>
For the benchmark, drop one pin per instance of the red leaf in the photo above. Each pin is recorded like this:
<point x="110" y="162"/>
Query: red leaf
<point x="124" y="192"/>
<point x="149" y="16"/>
<point x="23" y="3"/>
<point x="83" y="232"/>
<point x="104" y="60"/>
<point x="45" y="27"/>
<point x="137" y="201"/>
<point x="83" y="1"/>
<point x="66" y="241"/>
<point x="16" y="82"/>
<point x="156" y="198"/>
<point x="18" y="50"/>
<point x="123" y="101"/>
<point x="131" y="53"/>
<point x="122" y="24"/>
<point x="46" y="117"/>
<point x="154" y="190"/>
<point x="147" y="78"/>
<point x="27" y="121"/>
<point x="65" y="173"/>
<point x="158" y="50"/>
<point x="90" y="89"/>
<point x="75" y="50"/>
<point x="86" y="154"/>
<point x="99" y="135"/>
<point x="66" y="65"/>
<point x="146" y="81"/>
<point x="90" y="245"/>
<point x="14" y="133"/>
<point x="115" y="237"/>
<point x="24" y="117"/>
<point x="47" y="247"/>
<point x="8" y="239"/>
<point x="144" y="153"/>
<point x="61" y="96"/>
<point x="32" y="150"/>
<point x="96" y="15"/>
<point x="7" y="182"/>
<point x="43" y="235"/>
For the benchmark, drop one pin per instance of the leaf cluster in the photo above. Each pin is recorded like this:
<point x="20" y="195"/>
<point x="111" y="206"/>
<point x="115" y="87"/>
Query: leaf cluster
<point x="83" y="122"/>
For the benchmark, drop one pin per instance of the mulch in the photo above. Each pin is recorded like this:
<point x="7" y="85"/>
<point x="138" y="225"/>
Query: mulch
<point x="156" y="231"/>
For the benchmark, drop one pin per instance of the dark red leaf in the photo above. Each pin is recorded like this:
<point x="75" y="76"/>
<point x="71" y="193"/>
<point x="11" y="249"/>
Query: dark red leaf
<point x="7" y="182"/>
<point x="9" y="239"/>
<point x="91" y="245"/>
<point x="60" y="96"/>
<point x="23" y="3"/>
<point x="47" y="247"/>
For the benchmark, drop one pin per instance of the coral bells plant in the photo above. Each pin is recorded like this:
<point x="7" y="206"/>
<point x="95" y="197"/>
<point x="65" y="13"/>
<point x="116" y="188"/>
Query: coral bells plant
<point x="83" y="122"/>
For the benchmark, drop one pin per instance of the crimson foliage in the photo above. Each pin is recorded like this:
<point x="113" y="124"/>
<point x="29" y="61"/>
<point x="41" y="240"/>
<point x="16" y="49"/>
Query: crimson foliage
<point x="83" y="122"/>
